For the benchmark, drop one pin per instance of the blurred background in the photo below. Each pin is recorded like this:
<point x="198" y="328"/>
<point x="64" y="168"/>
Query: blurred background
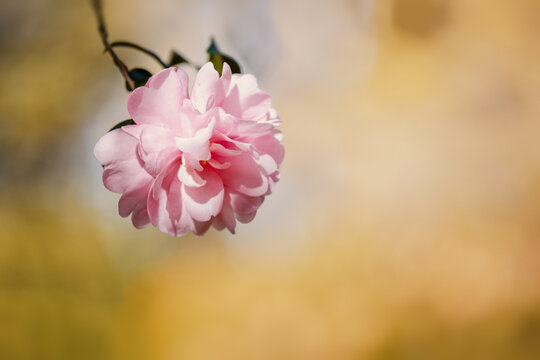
<point x="406" y="224"/>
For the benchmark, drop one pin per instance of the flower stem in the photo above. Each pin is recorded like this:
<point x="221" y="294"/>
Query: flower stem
<point x="140" y="48"/>
<point x="97" y="5"/>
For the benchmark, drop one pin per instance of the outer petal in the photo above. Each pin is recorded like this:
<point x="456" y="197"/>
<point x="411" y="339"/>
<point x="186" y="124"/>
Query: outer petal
<point x="140" y="218"/>
<point x="225" y="219"/>
<point x="200" y="228"/>
<point x="134" y="202"/>
<point x="245" y="176"/>
<point x="243" y="204"/>
<point x="160" y="101"/>
<point x="117" y="151"/>
<point x="234" y="127"/>
<point x="271" y="145"/>
<point x="245" y="100"/>
<point x="133" y="199"/>
<point x="245" y="218"/>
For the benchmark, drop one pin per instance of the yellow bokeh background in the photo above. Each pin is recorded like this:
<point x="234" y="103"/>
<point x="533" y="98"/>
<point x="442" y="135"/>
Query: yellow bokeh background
<point x="406" y="224"/>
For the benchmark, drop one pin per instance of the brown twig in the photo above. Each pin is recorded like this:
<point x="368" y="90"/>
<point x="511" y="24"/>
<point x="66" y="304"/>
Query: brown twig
<point x="102" y="29"/>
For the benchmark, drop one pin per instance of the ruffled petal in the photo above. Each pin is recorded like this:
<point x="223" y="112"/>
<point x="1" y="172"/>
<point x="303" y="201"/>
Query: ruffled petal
<point x="117" y="152"/>
<point x="190" y="177"/>
<point x="243" y="204"/>
<point x="209" y="88"/>
<point x="157" y="149"/>
<point x="245" y="176"/>
<point x="225" y="219"/>
<point x="270" y="144"/>
<point x="205" y="201"/>
<point x="160" y="101"/>
<point x="199" y="139"/>
<point x="245" y="100"/>
<point x="201" y="227"/>
<point x="140" y="218"/>
<point x="197" y="147"/>
<point x="166" y="209"/>
<point x="245" y="218"/>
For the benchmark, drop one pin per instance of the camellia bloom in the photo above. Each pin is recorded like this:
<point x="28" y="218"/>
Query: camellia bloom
<point x="193" y="160"/>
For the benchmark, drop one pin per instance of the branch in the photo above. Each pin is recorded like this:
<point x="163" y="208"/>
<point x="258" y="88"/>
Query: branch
<point x="140" y="48"/>
<point x="97" y="5"/>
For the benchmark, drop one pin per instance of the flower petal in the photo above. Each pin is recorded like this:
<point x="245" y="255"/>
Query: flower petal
<point x="243" y="204"/>
<point x="205" y="201"/>
<point x="133" y="199"/>
<point x="209" y="89"/>
<point x="271" y="145"/>
<point x="245" y="100"/>
<point x="245" y="218"/>
<point x="140" y="218"/>
<point x="200" y="139"/>
<point x="245" y="176"/>
<point x="117" y="152"/>
<point x="157" y="149"/>
<point x="201" y="227"/>
<point x="190" y="177"/>
<point x="166" y="211"/>
<point x="160" y="101"/>
<point x="225" y="219"/>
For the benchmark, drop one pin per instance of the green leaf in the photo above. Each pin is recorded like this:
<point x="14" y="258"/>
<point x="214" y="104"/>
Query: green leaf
<point x="212" y="48"/>
<point x="217" y="58"/>
<point x="139" y="76"/>
<point x="122" y="123"/>
<point x="235" y="67"/>
<point x="176" y="59"/>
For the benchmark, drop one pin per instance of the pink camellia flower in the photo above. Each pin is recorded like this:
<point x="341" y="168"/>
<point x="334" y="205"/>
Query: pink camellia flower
<point x="192" y="161"/>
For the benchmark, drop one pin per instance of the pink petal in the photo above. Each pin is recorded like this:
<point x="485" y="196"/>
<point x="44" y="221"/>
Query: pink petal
<point x="199" y="139"/>
<point x="166" y="211"/>
<point x="272" y="180"/>
<point x="243" y="204"/>
<point x="205" y="201"/>
<point x="218" y="164"/>
<point x="190" y="177"/>
<point x="160" y="101"/>
<point x="133" y="199"/>
<point x="157" y="149"/>
<point x="197" y="147"/>
<point x="201" y="227"/>
<point x="230" y="143"/>
<point x="219" y="149"/>
<point x="271" y="145"/>
<point x="266" y="162"/>
<point x="209" y="89"/>
<point x="245" y="176"/>
<point x="244" y="100"/>
<point x="225" y="219"/>
<point x="117" y="151"/>
<point x="245" y="218"/>
<point x="140" y="218"/>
